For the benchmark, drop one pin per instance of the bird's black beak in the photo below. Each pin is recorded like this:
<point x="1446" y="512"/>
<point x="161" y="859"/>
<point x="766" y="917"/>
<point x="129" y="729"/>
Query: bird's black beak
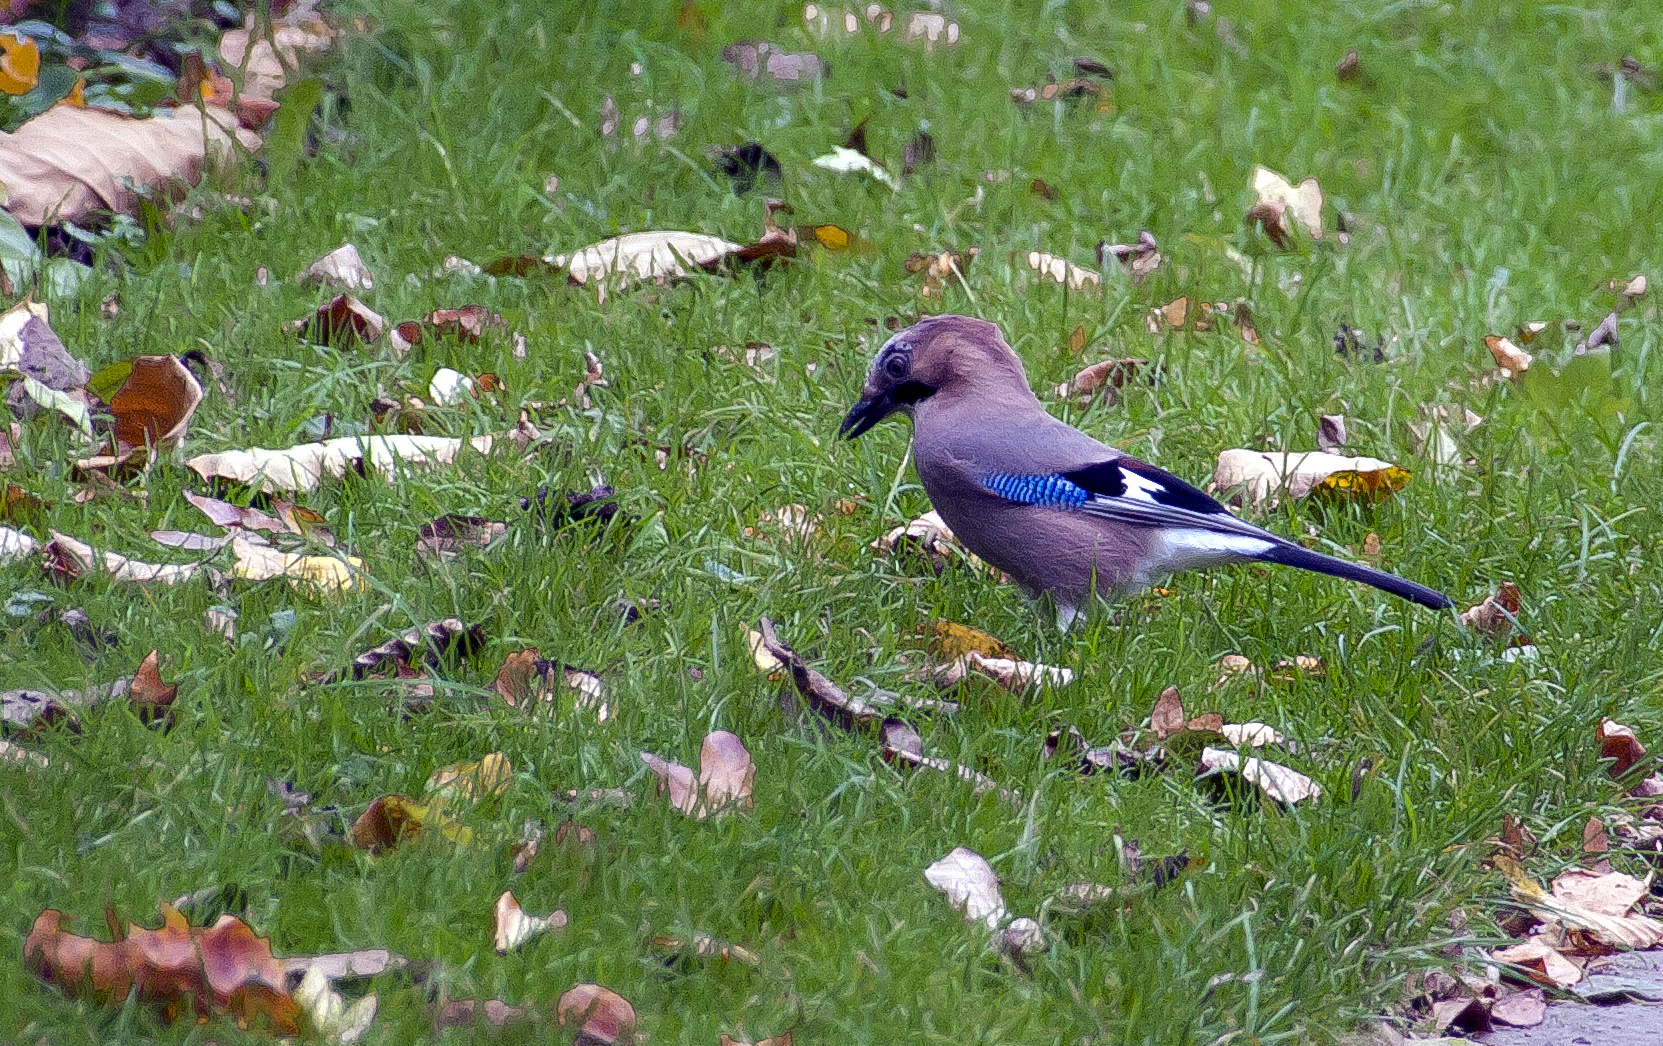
<point x="873" y="409"/>
<point x="864" y="415"/>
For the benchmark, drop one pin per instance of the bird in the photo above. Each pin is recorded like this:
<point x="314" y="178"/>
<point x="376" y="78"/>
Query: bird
<point x="1061" y="513"/>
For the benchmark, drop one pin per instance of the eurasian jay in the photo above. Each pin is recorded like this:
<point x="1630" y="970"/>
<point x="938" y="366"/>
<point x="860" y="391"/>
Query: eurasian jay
<point x="1060" y="513"/>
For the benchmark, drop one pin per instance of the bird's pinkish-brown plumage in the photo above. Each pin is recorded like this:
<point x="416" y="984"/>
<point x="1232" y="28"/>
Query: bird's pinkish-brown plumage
<point x="1060" y="512"/>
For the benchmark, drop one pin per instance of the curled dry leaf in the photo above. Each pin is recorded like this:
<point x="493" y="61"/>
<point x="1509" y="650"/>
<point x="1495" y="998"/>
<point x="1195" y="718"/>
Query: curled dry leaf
<point x="514" y="927"/>
<point x="1063" y="271"/>
<point x="68" y="164"/>
<point x="600" y="1014"/>
<point x="1263" y="475"/>
<point x="472" y="780"/>
<point x="303" y="467"/>
<point x="1619" y="744"/>
<point x="178" y="969"/>
<point x="903" y="744"/>
<point x="1281" y="207"/>
<point x="328" y="1012"/>
<point x="1140" y="259"/>
<point x="1542" y="962"/>
<point x="724" y="781"/>
<point x="1498" y="616"/>
<point x="1022" y="939"/>
<point x="1509" y="357"/>
<point x="970" y="885"/>
<point x="789" y="522"/>
<point x="68" y="557"/>
<point x="759" y="59"/>
<point x="941" y="267"/>
<point x="1281" y="783"/>
<point x="328" y="575"/>
<point x="341" y="267"/>
<point x="155" y="403"/>
<point x="337" y="320"/>
<point x="643" y="256"/>
<point x="446" y="537"/>
<point x="824" y="696"/>
<point x="1101" y="381"/>
<point x="844" y="160"/>
<point x="433" y="641"/>
<point x="1007" y="672"/>
<point x="527" y="681"/>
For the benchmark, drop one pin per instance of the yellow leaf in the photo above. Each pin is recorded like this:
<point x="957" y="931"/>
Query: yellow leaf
<point x="19" y="63"/>
<point x="475" y="780"/>
<point x="832" y="238"/>
<point x="1372" y="485"/>
<point x="953" y="640"/>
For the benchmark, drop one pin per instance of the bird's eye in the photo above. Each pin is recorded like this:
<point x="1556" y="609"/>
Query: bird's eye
<point x="896" y="366"/>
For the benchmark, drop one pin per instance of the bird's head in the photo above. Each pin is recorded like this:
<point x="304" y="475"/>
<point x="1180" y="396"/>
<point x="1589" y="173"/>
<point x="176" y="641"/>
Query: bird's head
<point x="941" y="355"/>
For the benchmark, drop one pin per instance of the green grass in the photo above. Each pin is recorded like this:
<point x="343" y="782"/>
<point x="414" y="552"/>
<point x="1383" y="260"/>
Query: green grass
<point x="1486" y="180"/>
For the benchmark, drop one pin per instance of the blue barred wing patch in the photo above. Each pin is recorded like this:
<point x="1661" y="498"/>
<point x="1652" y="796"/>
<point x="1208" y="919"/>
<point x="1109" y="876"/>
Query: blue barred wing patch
<point x="1044" y="491"/>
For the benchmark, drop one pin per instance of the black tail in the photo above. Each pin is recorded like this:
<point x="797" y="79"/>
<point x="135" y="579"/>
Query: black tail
<point x="1305" y="559"/>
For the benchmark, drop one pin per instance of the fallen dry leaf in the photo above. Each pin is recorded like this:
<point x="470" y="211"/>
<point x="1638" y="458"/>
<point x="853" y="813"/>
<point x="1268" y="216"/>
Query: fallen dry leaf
<point x="433" y="641"/>
<point x="527" y="681"/>
<point x="472" y="780"/>
<point x="68" y="164"/>
<point x="303" y="467"/>
<point x="1101" y="381"/>
<point x="328" y="575"/>
<point x="1542" y="962"/>
<point x="759" y="59"/>
<point x="1619" y="744"/>
<point x="1140" y="259"/>
<point x="970" y="885"/>
<point x="601" y="1014"/>
<point x="940" y="267"/>
<point x="155" y="404"/>
<point x="177" y="970"/>
<point x="1063" y="271"/>
<point x="724" y="781"/>
<point x="1008" y="672"/>
<point x="1281" y="783"/>
<point x="903" y="744"/>
<point x="824" y="696"/>
<point x="514" y="927"/>
<point x="338" y="319"/>
<point x="341" y="267"/>
<point x="1498" y="616"/>
<point x="1264" y="475"/>
<point x="71" y="558"/>
<point x="446" y="537"/>
<point x="1281" y="207"/>
<point x="643" y="256"/>
<point x="1509" y="357"/>
<point x="327" y="1011"/>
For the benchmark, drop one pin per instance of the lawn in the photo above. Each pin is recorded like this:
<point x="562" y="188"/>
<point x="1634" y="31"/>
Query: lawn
<point x="1487" y="175"/>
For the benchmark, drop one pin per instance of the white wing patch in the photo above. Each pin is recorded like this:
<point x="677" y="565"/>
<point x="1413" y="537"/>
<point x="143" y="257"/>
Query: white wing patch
<point x="1141" y="488"/>
<point x="1186" y="548"/>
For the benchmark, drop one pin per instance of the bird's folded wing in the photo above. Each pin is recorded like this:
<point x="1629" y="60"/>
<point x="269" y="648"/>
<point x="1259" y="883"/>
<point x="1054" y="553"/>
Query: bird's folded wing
<point x="1126" y="490"/>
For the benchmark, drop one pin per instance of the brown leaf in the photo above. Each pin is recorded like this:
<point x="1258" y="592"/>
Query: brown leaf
<point x="902" y="744"/>
<point x="155" y="403"/>
<point x="152" y="699"/>
<point x="824" y="696"/>
<point x="759" y="59"/>
<point x="1497" y="616"/>
<point x="467" y="324"/>
<point x="939" y="268"/>
<point x="950" y="640"/>
<point x="1101" y="380"/>
<point x="1619" y="744"/>
<point x="468" y="1013"/>
<point x="1350" y="67"/>
<point x="723" y="783"/>
<point x="1509" y="357"/>
<point x="599" y="1013"/>
<point x="338" y="319"/>
<point x="68" y="164"/>
<point x="178" y="969"/>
